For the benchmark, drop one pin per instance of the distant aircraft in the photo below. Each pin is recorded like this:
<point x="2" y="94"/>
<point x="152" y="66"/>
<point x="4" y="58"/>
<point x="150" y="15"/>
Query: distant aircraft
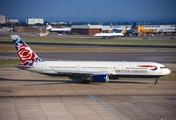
<point x="110" y="35"/>
<point x="59" y="30"/>
<point x="128" y="32"/>
<point x="98" y="71"/>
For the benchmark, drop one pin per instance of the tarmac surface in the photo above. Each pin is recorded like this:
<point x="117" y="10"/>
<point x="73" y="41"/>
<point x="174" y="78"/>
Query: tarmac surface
<point x="30" y="96"/>
<point x="162" y="57"/>
<point x="25" y="95"/>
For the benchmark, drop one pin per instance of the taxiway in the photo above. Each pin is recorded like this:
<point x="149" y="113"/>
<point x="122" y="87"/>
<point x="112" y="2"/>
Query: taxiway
<point x="25" y="95"/>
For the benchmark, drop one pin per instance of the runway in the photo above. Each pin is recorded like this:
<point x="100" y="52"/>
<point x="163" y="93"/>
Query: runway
<point x="25" y="95"/>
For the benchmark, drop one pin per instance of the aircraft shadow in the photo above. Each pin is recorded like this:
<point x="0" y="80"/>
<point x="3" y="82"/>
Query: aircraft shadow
<point x="128" y="82"/>
<point x="49" y="82"/>
<point x="71" y="81"/>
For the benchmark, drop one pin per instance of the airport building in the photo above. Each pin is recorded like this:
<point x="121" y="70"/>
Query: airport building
<point x="3" y="19"/>
<point x="156" y="29"/>
<point x="6" y="29"/>
<point x="32" y="21"/>
<point x="29" y="29"/>
<point x="12" y="20"/>
<point x="144" y="30"/>
<point x="85" y="29"/>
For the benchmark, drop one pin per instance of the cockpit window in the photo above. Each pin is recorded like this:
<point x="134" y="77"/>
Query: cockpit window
<point x="163" y="67"/>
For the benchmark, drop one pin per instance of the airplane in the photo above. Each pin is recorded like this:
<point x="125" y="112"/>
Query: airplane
<point x="110" y="35"/>
<point x="128" y="32"/>
<point x="97" y="71"/>
<point x="60" y="30"/>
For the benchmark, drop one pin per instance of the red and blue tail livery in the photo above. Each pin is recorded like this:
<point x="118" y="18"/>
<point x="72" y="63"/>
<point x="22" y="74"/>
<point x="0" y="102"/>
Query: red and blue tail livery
<point x="26" y="55"/>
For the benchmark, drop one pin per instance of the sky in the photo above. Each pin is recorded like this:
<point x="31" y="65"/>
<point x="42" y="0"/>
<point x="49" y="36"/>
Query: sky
<point x="70" y="10"/>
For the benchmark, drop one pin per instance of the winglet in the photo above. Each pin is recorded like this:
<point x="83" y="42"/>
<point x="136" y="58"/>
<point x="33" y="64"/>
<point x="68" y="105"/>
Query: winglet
<point x="25" y="53"/>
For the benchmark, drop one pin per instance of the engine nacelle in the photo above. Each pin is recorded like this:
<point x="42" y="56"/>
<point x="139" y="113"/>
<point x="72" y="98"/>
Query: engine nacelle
<point x="100" y="78"/>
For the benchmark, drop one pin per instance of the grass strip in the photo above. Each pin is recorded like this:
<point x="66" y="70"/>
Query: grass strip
<point x="40" y="48"/>
<point x="9" y="62"/>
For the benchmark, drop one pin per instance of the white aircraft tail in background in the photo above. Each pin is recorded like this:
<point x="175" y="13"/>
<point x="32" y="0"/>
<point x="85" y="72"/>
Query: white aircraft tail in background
<point x="124" y="30"/>
<point x="98" y="71"/>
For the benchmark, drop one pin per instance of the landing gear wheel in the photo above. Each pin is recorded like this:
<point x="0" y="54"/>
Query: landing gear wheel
<point x="86" y="80"/>
<point x="156" y="81"/>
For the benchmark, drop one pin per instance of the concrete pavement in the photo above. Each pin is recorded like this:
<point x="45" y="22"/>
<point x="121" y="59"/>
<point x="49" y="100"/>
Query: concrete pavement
<point x="31" y="96"/>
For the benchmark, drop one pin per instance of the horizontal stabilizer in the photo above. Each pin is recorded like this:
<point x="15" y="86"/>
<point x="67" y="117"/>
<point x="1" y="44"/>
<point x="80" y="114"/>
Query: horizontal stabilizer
<point x="23" y="67"/>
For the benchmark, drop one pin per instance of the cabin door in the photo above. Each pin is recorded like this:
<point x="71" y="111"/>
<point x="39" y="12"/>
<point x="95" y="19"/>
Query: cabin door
<point x="44" y="67"/>
<point x="78" y="67"/>
<point x="120" y="67"/>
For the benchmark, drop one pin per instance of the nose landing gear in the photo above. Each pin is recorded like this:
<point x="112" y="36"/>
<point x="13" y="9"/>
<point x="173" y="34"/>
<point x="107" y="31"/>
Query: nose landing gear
<point x="156" y="81"/>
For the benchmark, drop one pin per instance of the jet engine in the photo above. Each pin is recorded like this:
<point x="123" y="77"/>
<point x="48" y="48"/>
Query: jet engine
<point x="100" y="78"/>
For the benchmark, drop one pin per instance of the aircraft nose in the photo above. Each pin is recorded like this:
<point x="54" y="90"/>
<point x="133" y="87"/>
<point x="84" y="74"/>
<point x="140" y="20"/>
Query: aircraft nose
<point x="168" y="71"/>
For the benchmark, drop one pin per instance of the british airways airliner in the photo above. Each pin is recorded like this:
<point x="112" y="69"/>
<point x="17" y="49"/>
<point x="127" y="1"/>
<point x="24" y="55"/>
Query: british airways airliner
<point x="97" y="71"/>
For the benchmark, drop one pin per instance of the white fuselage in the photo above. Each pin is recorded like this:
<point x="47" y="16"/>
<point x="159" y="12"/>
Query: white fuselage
<point x="108" y="34"/>
<point x="59" y="29"/>
<point x="148" y="69"/>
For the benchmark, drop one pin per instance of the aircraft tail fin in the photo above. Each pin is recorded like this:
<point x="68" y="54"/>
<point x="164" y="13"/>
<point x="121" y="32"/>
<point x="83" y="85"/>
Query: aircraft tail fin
<point x="133" y="26"/>
<point x="124" y="30"/>
<point x="49" y="27"/>
<point x="26" y="55"/>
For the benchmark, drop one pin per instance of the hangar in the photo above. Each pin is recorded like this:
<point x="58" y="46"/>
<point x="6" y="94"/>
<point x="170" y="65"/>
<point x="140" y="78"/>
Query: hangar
<point x="86" y="29"/>
<point x="29" y="29"/>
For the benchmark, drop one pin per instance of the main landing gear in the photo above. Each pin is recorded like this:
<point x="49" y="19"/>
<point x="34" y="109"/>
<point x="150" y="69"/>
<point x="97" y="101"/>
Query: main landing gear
<point x="86" y="80"/>
<point x="156" y="81"/>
